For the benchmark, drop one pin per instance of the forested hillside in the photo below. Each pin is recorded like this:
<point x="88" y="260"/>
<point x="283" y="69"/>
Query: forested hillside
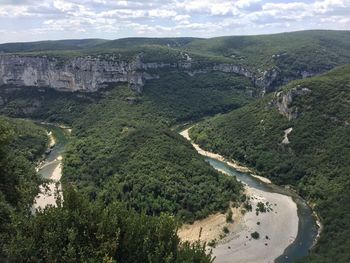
<point x="21" y="143"/>
<point x="123" y="157"/>
<point x="77" y="230"/>
<point x="291" y="52"/>
<point x="314" y="115"/>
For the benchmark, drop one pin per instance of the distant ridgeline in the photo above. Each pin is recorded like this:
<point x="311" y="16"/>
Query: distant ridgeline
<point x="87" y="65"/>
<point x="300" y="136"/>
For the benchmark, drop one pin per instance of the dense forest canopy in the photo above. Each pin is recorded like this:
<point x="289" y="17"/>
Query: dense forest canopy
<point x="78" y="230"/>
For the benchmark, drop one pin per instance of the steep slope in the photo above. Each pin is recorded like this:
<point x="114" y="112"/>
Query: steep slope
<point x="300" y="136"/>
<point x="21" y="143"/>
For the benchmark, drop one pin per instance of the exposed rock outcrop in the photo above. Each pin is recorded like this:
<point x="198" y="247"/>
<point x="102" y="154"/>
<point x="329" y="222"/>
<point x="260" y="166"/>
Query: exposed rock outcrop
<point x="89" y="73"/>
<point x="285" y="137"/>
<point x="81" y="73"/>
<point x="284" y="101"/>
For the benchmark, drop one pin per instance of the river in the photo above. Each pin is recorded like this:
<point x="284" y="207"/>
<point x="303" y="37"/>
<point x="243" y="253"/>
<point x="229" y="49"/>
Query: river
<point x="51" y="168"/>
<point x="306" y="224"/>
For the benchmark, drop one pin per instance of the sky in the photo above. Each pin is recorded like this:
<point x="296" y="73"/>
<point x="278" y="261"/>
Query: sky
<point x="32" y="20"/>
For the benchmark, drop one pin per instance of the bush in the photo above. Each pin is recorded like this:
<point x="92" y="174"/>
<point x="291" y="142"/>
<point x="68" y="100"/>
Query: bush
<point x="255" y="235"/>
<point x="229" y="218"/>
<point x="226" y="230"/>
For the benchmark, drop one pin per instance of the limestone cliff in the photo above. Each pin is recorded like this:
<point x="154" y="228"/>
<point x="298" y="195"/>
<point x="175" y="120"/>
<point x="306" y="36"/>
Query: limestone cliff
<point x="89" y="73"/>
<point x="81" y="73"/>
<point x="284" y="101"/>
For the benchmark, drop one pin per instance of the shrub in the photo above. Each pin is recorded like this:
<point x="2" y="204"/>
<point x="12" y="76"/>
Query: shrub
<point x="255" y="235"/>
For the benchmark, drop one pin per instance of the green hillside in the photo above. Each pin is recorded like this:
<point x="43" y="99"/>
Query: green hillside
<point x="126" y="43"/>
<point x="289" y="53"/>
<point x="316" y="159"/>
<point x="69" y="44"/>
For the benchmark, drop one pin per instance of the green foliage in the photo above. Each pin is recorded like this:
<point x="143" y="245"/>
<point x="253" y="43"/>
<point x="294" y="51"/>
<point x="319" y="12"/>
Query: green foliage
<point x="44" y="103"/>
<point x="229" y="215"/>
<point x="125" y="152"/>
<point x="181" y="97"/>
<point x="255" y="235"/>
<point x="78" y="231"/>
<point x="261" y="207"/>
<point x="73" y="44"/>
<point x="292" y="53"/>
<point x="123" y="148"/>
<point x="21" y="143"/>
<point x="316" y="160"/>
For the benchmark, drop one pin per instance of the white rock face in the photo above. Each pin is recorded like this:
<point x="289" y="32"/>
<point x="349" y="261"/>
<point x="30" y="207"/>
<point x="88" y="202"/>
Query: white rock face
<point x="91" y="73"/>
<point x="286" y="133"/>
<point x="81" y="73"/>
<point x="284" y="101"/>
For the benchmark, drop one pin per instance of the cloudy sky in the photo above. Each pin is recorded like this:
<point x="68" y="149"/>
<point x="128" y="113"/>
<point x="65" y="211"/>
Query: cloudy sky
<point x="29" y="20"/>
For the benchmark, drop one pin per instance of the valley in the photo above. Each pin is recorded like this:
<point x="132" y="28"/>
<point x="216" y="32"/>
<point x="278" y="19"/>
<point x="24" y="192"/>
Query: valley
<point x="288" y="212"/>
<point x="268" y="147"/>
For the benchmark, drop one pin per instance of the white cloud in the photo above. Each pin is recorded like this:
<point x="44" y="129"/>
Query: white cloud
<point x="121" y="18"/>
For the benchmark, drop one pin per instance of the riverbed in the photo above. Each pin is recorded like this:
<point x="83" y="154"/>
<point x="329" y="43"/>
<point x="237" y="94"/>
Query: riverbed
<point x="287" y="232"/>
<point x="51" y="167"/>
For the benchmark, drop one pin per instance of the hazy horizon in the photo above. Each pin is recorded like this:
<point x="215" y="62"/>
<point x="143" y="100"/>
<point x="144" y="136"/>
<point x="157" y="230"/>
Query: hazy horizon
<point x="29" y="20"/>
<point x="131" y="37"/>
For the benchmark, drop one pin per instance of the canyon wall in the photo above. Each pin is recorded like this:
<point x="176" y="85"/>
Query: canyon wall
<point x="90" y="73"/>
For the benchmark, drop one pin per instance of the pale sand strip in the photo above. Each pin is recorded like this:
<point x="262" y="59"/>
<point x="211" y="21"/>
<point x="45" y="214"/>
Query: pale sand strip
<point x="210" y="228"/>
<point x="52" y="141"/>
<point x="280" y="225"/>
<point x="219" y="157"/>
<point x="47" y="194"/>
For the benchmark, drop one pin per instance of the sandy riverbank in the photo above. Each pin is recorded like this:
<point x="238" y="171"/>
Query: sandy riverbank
<point x="52" y="141"/>
<point x="210" y="228"/>
<point x="277" y="228"/>
<point x="47" y="193"/>
<point x="219" y="157"/>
